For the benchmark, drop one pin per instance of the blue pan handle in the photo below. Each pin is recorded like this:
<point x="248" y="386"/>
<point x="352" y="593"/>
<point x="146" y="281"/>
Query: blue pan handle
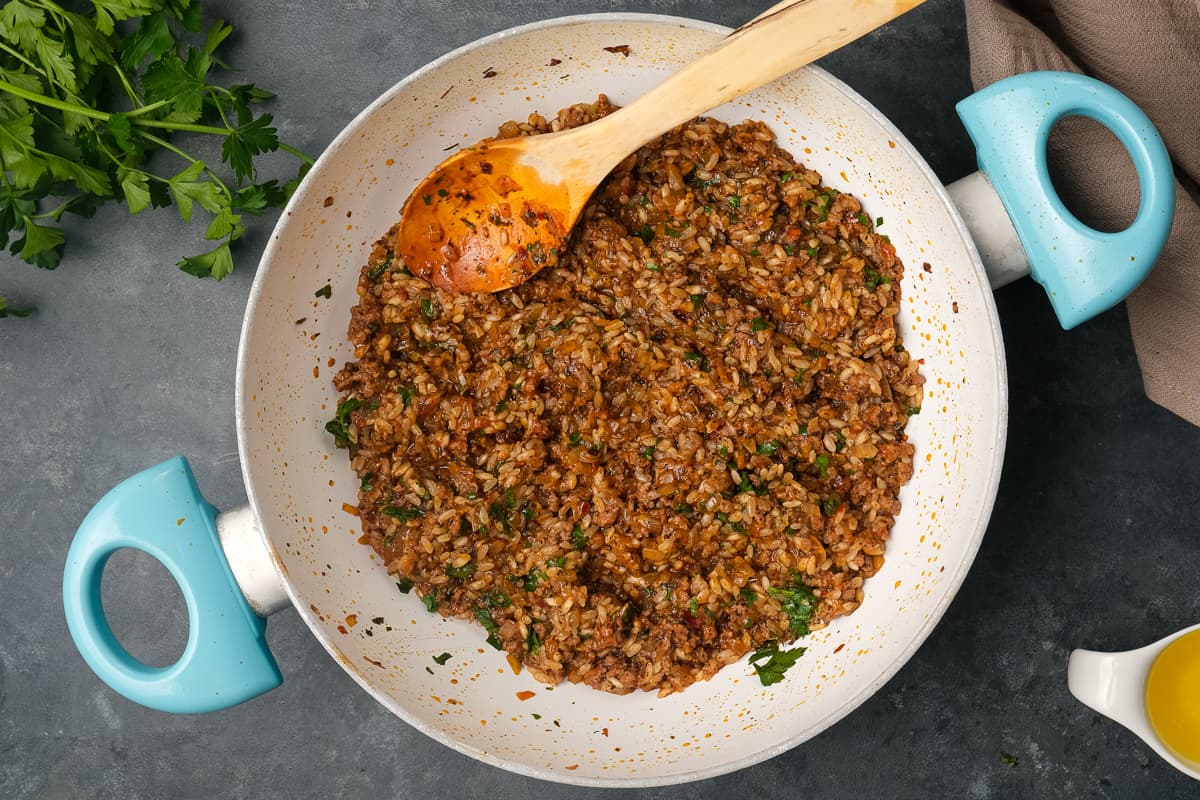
<point x="1084" y="271"/>
<point x="161" y="512"/>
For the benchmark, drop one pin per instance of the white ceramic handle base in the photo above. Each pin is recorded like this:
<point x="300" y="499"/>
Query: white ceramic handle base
<point x="995" y="238"/>
<point x="1113" y="684"/>
<point x="245" y="549"/>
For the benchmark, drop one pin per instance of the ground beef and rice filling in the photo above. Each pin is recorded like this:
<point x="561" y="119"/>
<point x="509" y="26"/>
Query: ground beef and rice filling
<point x="684" y="441"/>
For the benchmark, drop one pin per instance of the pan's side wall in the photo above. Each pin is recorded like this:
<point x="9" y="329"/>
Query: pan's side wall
<point x="298" y="483"/>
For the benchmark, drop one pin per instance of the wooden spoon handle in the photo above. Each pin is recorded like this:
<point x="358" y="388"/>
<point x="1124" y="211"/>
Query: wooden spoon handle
<point x="782" y="39"/>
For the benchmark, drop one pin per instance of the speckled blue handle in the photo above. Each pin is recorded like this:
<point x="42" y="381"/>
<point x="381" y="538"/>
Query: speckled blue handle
<point x="1084" y="271"/>
<point x="161" y="512"/>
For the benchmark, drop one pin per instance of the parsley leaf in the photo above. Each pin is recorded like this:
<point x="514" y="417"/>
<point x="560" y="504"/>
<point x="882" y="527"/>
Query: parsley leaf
<point x="777" y="661"/>
<point x="798" y="602"/>
<point x="258" y="197"/>
<point x="135" y="185"/>
<point x="822" y="462"/>
<point x="831" y="504"/>
<point x="152" y="39"/>
<point x="247" y="141"/>
<point x="530" y="582"/>
<point x="41" y="245"/>
<point x="338" y="426"/>
<point x="408" y="515"/>
<point x="216" y="263"/>
<point x="579" y="538"/>
<point x="5" y="311"/>
<point x="169" y="81"/>
<point x="88" y="102"/>
<point x="464" y="572"/>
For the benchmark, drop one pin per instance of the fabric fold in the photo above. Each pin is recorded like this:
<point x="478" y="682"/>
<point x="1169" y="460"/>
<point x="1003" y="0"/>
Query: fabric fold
<point x="1150" y="51"/>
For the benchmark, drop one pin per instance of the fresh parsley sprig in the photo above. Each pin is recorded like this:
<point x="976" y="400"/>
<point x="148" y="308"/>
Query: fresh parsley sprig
<point x="777" y="661"/>
<point x="5" y="311"/>
<point x="87" y="97"/>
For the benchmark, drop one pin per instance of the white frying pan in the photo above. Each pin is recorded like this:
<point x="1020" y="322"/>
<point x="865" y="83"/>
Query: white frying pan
<point x="295" y="545"/>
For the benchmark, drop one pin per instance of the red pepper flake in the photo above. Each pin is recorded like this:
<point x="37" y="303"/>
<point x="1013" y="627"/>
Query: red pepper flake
<point x="927" y="267"/>
<point x="605" y="732"/>
<point x="838" y="649"/>
<point x="554" y="62"/>
<point x="329" y="201"/>
<point x="179" y="521"/>
<point x="342" y="630"/>
<point x="572" y="767"/>
<point x="351" y="620"/>
<point x="623" y="49"/>
<point x="954" y="306"/>
<point x="525" y="694"/>
<point x="373" y="661"/>
<point x="490" y="72"/>
<point x="443" y="97"/>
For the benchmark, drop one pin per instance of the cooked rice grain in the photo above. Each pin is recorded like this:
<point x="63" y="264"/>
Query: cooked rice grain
<point x="612" y="465"/>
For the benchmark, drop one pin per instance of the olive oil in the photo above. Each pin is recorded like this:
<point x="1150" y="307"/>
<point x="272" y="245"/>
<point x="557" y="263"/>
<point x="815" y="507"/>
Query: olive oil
<point x="1173" y="697"/>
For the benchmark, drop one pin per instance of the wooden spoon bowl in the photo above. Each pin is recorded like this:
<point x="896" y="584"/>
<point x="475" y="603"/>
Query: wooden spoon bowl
<point x="492" y="215"/>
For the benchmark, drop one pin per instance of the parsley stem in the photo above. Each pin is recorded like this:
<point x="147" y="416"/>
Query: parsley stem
<point x="27" y="148"/>
<point x="163" y="143"/>
<point x="287" y="148"/>
<point x="49" y="78"/>
<point x="57" y="212"/>
<point x="61" y="105"/>
<point x="17" y="55"/>
<point x="182" y="126"/>
<point x="133" y="97"/>
<point x="157" y="104"/>
<point x="42" y="99"/>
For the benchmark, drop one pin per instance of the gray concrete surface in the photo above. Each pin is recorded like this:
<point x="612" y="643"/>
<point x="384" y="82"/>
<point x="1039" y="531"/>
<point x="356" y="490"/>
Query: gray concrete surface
<point x="1093" y="541"/>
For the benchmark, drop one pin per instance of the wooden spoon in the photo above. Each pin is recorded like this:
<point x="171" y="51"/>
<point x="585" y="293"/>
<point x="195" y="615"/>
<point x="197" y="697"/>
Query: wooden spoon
<point x="492" y="215"/>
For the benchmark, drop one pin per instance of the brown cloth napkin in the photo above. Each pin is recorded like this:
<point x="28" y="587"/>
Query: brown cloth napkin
<point x="1149" y="50"/>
